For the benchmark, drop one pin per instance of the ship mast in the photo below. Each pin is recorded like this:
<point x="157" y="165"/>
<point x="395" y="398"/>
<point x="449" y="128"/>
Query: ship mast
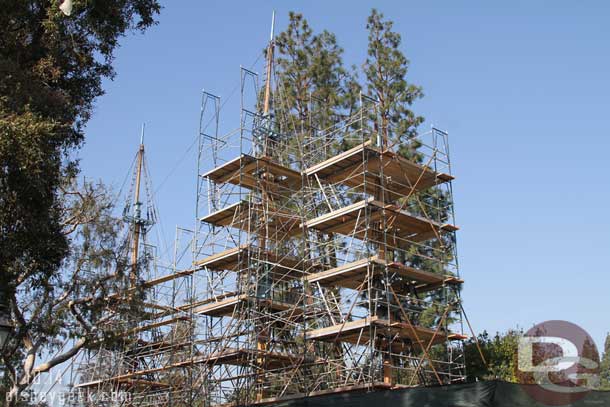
<point x="270" y="50"/>
<point x="261" y="343"/>
<point x="137" y="219"/>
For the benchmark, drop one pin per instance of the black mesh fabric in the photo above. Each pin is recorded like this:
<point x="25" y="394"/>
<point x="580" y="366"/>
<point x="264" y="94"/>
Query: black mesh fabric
<point x="479" y="394"/>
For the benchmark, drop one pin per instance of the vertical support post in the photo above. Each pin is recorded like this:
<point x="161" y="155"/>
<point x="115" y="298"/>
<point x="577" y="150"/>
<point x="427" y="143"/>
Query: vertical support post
<point x="269" y="69"/>
<point x="387" y="372"/>
<point x="261" y="343"/>
<point x="133" y="276"/>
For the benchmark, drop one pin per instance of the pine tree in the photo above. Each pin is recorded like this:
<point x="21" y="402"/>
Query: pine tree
<point x="385" y="70"/>
<point x="314" y="90"/>
<point x="604" y="368"/>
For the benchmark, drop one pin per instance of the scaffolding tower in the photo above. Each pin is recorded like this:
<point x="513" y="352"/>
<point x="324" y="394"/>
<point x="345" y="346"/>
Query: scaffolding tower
<point x="322" y="262"/>
<point x="329" y="263"/>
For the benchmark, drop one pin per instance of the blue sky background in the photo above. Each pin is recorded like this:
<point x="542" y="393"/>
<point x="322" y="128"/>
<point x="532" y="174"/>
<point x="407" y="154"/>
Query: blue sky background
<point x="521" y="86"/>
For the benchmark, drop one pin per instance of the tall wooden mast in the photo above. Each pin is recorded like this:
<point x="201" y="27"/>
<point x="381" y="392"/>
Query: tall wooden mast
<point x="137" y="224"/>
<point x="261" y="343"/>
<point x="268" y="71"/>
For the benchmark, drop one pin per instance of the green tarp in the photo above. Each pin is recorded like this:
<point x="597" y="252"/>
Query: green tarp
<point x="479" y="394"/>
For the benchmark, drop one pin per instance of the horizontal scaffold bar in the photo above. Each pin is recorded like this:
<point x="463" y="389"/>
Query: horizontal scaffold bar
<point x="228" y="306"/>
<point x="228" y="356"/>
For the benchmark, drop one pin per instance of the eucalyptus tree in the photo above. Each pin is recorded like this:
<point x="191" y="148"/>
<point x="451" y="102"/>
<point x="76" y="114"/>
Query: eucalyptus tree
<point x="53" y="59"/>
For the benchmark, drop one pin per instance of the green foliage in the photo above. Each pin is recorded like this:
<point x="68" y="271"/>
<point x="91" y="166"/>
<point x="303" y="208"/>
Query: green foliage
<point x="500" y="352"/>
<point x="604" y="368"/>
<point x="31" y="240"/>
<point x="386" y="69"/>
<point x="313" y="86"/>
<point x="51" y="71"/>
<point x="313" y="89"/>
<point x="53" y="65"/>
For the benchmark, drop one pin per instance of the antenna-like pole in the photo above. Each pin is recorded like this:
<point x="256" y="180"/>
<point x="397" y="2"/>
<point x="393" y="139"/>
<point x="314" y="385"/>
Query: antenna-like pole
<point x="137" y="224"/>
<point x="272" y="25"/>
<point x="270" y="50"/>
<point x="261" y="343"/>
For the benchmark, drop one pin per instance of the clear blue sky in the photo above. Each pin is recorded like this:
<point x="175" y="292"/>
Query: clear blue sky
<point x="521" y="86"/>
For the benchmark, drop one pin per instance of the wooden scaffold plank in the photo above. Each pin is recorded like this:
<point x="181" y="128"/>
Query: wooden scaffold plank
<point x="281" y="266"/>
<point x="227" y="356"/>
<point x="361" y="167"/>
<point x="351" y="219"/>
<point x="227" y="306"/>
<point x="358" y="332"/>
<point x="240" y="215"/>
<point x="353" y="274"/>
<point x="256" y="173"/>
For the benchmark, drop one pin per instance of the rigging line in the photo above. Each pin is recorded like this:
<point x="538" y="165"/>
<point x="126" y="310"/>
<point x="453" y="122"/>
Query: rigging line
<point x="129" y="172"/>
<point x="194" y="142"/>
<point x="160" y="231"/>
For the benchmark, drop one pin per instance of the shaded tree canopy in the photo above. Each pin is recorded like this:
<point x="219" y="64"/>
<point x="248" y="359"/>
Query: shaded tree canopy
<point x="51" y="72"/>
<point x="500" y="352"/>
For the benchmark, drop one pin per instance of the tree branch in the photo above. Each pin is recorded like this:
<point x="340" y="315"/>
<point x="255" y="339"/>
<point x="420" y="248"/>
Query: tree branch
<point x="45" y="367"/>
